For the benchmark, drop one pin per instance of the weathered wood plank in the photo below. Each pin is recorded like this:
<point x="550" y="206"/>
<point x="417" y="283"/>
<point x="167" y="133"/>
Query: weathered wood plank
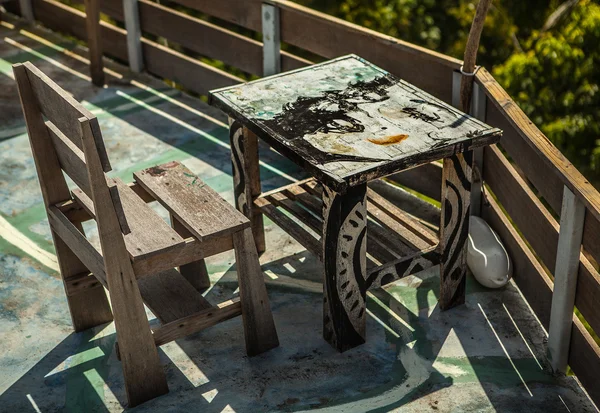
<point x="143" y="372"/>
<point x="195" y="205"/>
<point x="146" y="233"/>
<point x="402" y="267"/>
<point x="195" y="272"/>
<point x="584" y="359"/>
<point x="70" y="158"/>
<point x="454" y="228"/>
<point x="259" y="327"/>
<point x="170" y="296"/>
<point x="245" y="14"/>
<point x="64" y="111"/>
<point x="331" y="37"/>
<point x="532" y="218"/>
<point x="528" y="273"/>
<point x="89" y="308"/>
<point x="94" y="40"/>
<point x="384" y="125"/>
<point x="246" y="178"/>
<point x="196" y="322"/>
<point x="426" y="179"/>
<point x="553" y="163"/>
<point x="344" y="252"/>
<point x="290" y="227"/>
<point x="193" y="250"/>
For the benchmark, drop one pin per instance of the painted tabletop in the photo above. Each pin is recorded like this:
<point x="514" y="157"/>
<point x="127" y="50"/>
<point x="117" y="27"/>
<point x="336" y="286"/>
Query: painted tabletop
<point x="347" y="121"/>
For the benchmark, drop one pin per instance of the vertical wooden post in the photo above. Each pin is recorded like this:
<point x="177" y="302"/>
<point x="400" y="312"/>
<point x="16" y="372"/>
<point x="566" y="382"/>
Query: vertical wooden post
<point x="195" y="272"/>
<point x="454" y="228"/>
<point x="27" y="10"/>
<point x="477" y="110"/>
<point x="246" y="178"/>
<point x="134" y="35"/>
<point x="271" y="39"/>
<point x="259" y="327"/>
<point x="344" y="259"/>
<point x="92" y="20"/>
<point x="572" y="218"/>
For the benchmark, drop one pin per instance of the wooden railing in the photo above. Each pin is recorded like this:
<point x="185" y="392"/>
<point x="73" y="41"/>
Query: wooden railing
<point x="542" y="208"/>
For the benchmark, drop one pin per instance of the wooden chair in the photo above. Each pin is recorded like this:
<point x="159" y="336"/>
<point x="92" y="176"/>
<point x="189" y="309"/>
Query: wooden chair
<point x="139" y="250"/>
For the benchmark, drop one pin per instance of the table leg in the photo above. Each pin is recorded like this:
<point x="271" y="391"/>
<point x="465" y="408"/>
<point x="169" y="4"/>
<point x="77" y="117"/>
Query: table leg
<point x="246" y="178"/>
<point x="454" y="228"/>
<point x="344" y="259"/>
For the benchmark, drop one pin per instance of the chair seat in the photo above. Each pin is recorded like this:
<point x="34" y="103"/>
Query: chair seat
<point x="198" y="207"/>
<point x="144" y="231"/>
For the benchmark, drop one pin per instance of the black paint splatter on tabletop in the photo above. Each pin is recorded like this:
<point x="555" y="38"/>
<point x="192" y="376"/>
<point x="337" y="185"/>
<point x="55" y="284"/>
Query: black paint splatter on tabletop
<point x="329" y="114"/>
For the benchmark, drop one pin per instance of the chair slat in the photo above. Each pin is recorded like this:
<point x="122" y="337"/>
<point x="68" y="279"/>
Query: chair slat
<point x="200" y="209"/>
<point x="64" y="111"/>
<point x="170" y="296"/>
<point x="146" y="234"/>
<point x="70" y="157"/>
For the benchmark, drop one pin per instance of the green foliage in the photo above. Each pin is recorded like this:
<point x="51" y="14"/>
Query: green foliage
<point x="552" y="75"/>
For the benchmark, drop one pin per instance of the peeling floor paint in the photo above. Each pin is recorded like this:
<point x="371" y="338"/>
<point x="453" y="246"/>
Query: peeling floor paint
<point x="416" y="359"/>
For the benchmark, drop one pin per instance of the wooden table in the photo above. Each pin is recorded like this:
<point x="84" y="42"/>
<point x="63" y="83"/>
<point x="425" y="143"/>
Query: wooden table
<point x="348" y="122"/>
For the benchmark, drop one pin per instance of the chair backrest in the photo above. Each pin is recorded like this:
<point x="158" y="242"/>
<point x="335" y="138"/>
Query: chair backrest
<point x="63" y="127"/>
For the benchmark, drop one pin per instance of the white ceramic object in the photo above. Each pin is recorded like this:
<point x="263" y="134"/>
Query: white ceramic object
<point x="487" y="258"/>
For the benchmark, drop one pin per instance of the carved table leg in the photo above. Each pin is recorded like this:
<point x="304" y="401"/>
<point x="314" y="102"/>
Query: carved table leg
<point x="246" y="178"/>
<point x="454" y="228"/>
<point x="344" y="259"/>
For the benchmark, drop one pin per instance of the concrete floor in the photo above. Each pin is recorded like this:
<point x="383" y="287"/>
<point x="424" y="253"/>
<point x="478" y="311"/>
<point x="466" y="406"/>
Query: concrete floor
<point x="487" y="355"/>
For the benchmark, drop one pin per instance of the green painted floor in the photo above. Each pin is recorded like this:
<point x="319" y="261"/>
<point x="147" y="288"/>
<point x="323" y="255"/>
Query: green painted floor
<point x="487" y="355"/>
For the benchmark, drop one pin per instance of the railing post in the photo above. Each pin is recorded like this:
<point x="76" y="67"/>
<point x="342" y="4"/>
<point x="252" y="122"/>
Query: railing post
<point x="27" y="10"/>
<point x="134" y="35"/>
<point x="271" y="39"/>
<point x="572" y="218"/>
<point x="478" y="110"/>
<point x="92" y="18"/>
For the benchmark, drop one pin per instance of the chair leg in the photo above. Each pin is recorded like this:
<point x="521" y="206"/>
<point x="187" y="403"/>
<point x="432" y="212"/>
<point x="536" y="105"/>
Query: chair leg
<point x="89" y="308"/>
<point x="259" y="327"/>
<point x="195" y="272"/>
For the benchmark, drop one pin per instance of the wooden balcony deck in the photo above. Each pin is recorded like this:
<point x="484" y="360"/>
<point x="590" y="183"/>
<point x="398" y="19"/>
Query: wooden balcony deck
<point x="488" y="355"/>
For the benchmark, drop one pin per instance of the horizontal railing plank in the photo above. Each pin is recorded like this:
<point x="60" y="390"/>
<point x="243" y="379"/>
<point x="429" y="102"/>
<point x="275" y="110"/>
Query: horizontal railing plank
<point x="245" y="13"/>
<point x="160" y="60"/>
<point x="543" y="164"/>
<point x="330" y="37"/>
<point x="584" y="359"/>
<point x="539" y="228"/>
<point x="528" y="274"/>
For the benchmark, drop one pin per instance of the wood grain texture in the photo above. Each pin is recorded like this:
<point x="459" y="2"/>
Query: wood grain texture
<point x="402" y="267"/>
<point x="94" y="41"/>
<point x="348" y="122"/>
<point x="454" y="228"/>
<point x="146" y="233"/>
<point x="532" y="218"/>
<point x="330" y="37"/>
<point x="344" y="259"/>
<point x="194" y="272"/>
<point x="63" y="110"/>
<point x="144" y="375"/>
<point x="90" y="307"/>
<point x="545" y="166"/>
<point x="529" y="275"/>
<point x="192" y="251"/>
<point x="259" y="327"/>
<point x="426" y="179"/>
<point x="197" y="322"/>
<point x="170" y="296"/>
<point x="195" y="205"/>
<point x="246" y="178"/>
<point x="584" y="359"/>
